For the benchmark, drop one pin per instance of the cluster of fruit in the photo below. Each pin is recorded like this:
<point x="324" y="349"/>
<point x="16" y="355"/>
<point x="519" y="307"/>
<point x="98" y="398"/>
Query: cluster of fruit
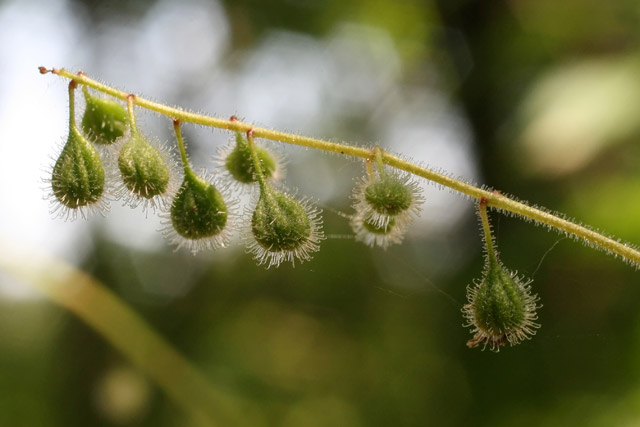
<point x="279" y="227"/>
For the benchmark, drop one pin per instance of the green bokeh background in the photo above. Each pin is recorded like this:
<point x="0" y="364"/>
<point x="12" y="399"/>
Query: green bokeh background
<point x="364" y="337"/>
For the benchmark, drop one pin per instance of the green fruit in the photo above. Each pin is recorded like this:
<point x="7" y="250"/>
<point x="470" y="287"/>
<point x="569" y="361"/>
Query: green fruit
<point x="104" y="120"/>
<point x="78" y="176"/>
<point x="373" y="227"/>
<point x="198" y="210"/>
<point x="389" y="195"/>
<point x="240" y="164"/>
<point x="143" y="168"/>
<point x="280" y="223"/>
<point x="502" y="307"/>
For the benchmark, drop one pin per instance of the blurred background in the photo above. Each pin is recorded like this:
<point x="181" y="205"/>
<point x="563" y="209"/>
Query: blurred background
<point x="536" y="98"/>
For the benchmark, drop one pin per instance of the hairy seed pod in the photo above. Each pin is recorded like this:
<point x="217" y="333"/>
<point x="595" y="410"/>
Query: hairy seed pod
<point x="385" y="197"/>
<point x="283" y="229"/>
<point x="280" y="223"/>
<point x="388" y="196"/>
<point x="104" y="120"/>
<point x="199" y="214"/>
<point x="144" y="170"/>
<point x="239" y="163"/>
<point x="500" y="308"/>
<point x="370" y="233"/>
<point x="78" y="177"/>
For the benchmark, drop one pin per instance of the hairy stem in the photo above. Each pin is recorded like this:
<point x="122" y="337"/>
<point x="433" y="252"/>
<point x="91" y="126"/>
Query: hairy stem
<point x="256" y="161"/>
<point x="486" y="229"/>
<point x="493" y="199"/>
<point x="181" y="147"/>
<point x="379" y="155"/>
<point x="132" y="116"/>
<point x="72" y="104"/>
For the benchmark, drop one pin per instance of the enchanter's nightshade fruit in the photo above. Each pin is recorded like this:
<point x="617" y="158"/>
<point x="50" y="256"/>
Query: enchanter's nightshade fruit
<point x="283" y="229"/>
<point x="384" y="203"/>
<point x="104" y="120"/>
<point x="372" y="234"/>
<point x="78" y="176"/>
<point x="239" y="163"/>
<point x="144" y="171"/>
<point x="199" y="215"/>
<point x="500" y="308"/>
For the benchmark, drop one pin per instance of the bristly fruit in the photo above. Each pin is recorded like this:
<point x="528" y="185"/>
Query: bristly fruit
<point x="78" y="177"/>
<point x="144" y="171"/>
<point x="283" y="229"/>
<point x="500" y="308"/>
<point x="239" y="163"/>
<point x="104" y="120"/>
<point x="199" y="215"/>
<point x="386" y="196"/>
<point x="372" y="234"/>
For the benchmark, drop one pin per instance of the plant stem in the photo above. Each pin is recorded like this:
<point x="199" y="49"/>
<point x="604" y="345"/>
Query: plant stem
<point x="369" y="166"/>
<point x="181" y="147"/>
<point x="102" y="310"/>
<point x="132" y="116"/>
<point x="257" y="166"/>
<point x="72" y="105"/>
<point x="493" y="199"/>
<point x="380" y="161"/>
<point x="486" y="228"/>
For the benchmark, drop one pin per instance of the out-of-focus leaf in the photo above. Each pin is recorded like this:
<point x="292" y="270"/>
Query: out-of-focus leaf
<point x="575" y="112"/>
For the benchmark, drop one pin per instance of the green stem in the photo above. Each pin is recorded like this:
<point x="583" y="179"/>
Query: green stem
<point x="132" y="117"/>
<point x="369" y="168"/>
<point x="494" y="199"/>
<point x="102" y="310"/>
<point x="72" y="104"/>
<point x="486" y="228"/>
<point x="379" y="161"/>
<point x="257" y="166"/>
<point x="181" y="147"/>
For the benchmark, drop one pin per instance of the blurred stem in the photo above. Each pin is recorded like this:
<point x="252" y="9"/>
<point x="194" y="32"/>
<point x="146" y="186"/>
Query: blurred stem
<point x="493" y="199"/>
<point x="379" y="155"/>
<point x="103" y="311"/>
<point x="369" y="167"/>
